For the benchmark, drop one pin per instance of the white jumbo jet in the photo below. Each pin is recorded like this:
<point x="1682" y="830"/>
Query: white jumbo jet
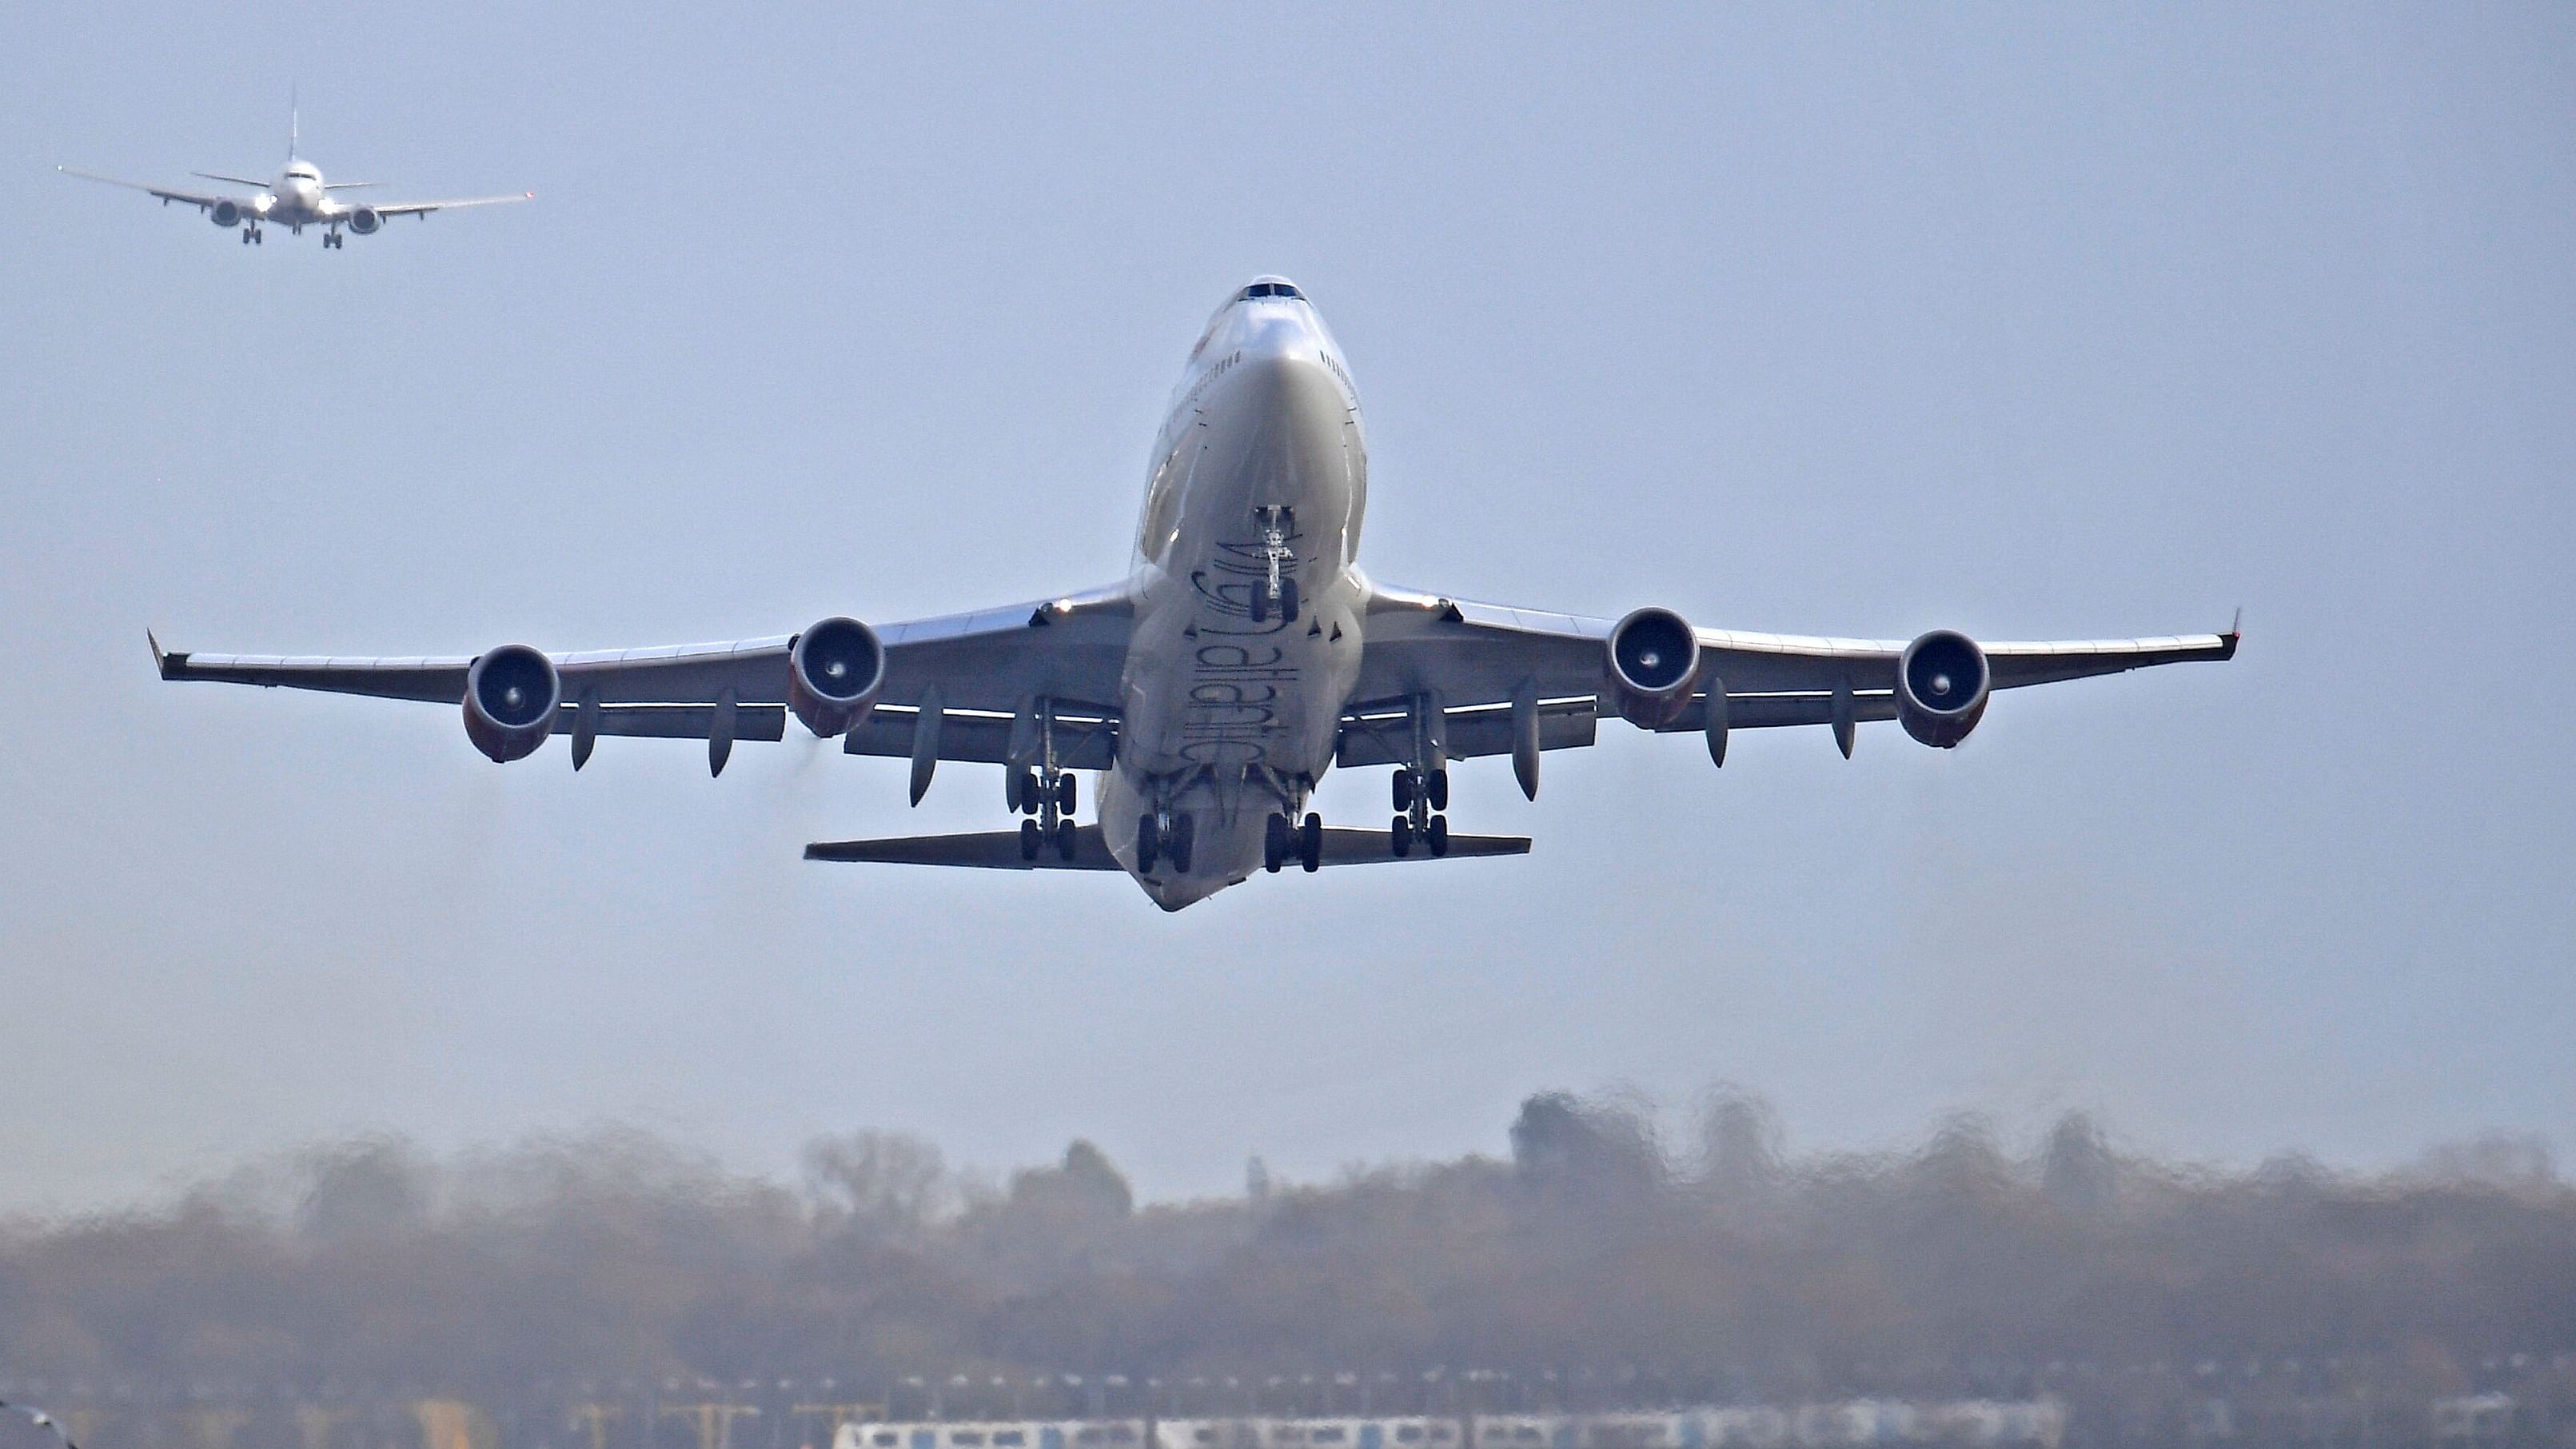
<point x="1244" y="655"/>
<point x="297" y="198"/>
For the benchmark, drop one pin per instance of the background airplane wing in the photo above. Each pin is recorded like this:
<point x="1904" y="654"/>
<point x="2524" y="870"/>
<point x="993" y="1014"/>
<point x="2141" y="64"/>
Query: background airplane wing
<point x="1476" y="657"/>
<point x="980" y="665"/>
<point x="195" y="199"/>
<point x="424" y="208"/>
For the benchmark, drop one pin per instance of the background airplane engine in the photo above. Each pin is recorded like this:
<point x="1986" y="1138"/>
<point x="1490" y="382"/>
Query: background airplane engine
<point x="364" y="221"/>
<point x="1653" y="661"/>
<point x="224" y="213"/>
<point x="834" y="671"/>
<point x="1941" y="686"/>
<point x="511" y="694"/>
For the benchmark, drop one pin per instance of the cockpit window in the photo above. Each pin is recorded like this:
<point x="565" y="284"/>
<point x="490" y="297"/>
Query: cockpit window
<point x="1270" y="289"/>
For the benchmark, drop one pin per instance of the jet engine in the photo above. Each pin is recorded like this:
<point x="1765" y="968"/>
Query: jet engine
<point x="1654" y="661"/>
<point x="511" y="694"/>
<point x="834" y="671"/>
<point x="365" y="220"/>
<point x="1941" y="684"/>
<point x="225" y="213"/>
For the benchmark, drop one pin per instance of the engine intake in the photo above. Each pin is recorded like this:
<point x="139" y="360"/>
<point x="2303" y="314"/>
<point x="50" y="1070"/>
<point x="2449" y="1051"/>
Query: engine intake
<point x="511" y="694"/>
<point x="1941" y="687"/>
<point x="1654" y="661"/>
<point x="834" y="671"/>
<point x="225" y="213"/>
<point x="365" y="220"/>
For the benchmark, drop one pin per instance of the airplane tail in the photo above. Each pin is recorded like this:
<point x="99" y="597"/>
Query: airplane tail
<point x="294" y="123"/>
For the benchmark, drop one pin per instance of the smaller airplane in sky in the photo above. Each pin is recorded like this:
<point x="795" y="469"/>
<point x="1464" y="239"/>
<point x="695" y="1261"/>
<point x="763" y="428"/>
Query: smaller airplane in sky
<point x="297" y="198"/>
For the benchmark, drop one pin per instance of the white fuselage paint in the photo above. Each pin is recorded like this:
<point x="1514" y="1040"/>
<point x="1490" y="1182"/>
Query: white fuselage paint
<point x="1223" y="719"/>
<point x="295" y="200"/>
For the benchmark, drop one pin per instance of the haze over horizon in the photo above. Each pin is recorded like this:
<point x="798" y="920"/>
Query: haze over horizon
<point x="1850" y="322"/>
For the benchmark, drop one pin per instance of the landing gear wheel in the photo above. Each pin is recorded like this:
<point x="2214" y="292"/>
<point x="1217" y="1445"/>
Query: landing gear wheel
<point x="1310" y="843"/>
<point x="1261" y="603"/>
<point x="1437" y="835"/>
<point x="1064" y="793"/>
<point x="1403" y="791"/>
<point x="1149" y="842"/>
<point x="1436" y="788"/>
<point x="1064" y="840"/>
<point x="1400" y="836"/>
<point x="1274" y="843"/>
<point x="1024" y="792"/>
<point x="1185" y="833"/>
<point x="1288" y="599"/>
<point x="1030" y="839"/>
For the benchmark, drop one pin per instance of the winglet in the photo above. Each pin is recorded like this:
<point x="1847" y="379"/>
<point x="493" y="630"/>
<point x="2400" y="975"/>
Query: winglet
<point x="169" y="663"/>
<point x="2235" y="632"/>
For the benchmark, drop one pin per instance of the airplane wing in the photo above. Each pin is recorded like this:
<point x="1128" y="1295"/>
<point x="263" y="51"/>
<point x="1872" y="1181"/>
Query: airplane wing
<point x="980" y="668"/>
<point x="235" y="180"/>
<point x="201" y="202"/>
<point x="1477" y="658"/>
<point x="424" y="208"/>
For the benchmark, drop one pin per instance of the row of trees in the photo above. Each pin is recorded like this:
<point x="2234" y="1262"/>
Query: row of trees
<point x="1731" y="1268"/>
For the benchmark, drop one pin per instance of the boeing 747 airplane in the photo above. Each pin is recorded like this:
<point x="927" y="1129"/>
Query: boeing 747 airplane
<point x="1243" y="656"/>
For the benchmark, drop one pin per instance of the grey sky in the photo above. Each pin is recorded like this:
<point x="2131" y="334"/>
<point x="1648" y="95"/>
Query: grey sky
<point x="1866" y="321"/>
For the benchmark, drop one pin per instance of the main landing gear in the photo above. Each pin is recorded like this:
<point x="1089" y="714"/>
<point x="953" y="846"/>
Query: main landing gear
<point x="251" y="236"/>
<point x="1044" y="791"/>
<point x="1278" y="591"/>
<point x="1420" y="797"/>
<point x="1165" y="836"/>
<point x="334" y="240"/>
<point x="1283" y="841"/>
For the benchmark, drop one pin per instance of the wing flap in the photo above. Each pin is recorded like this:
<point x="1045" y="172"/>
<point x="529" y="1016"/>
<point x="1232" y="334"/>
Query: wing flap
<point x="1385" y="737"/>
<point x="982" y="737"/>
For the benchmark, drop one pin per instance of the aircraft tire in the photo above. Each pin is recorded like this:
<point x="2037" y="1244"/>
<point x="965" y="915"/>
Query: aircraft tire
<point x="1436" y="788"/>
<point x="1064" y="840"/>
<point x="1288" y="599"/>
<point x="1399" y="836"/>
<point x="1437" y="835"/>
<point x="1065" y="793"/>
<point x="1030" y="840"/>
<point x="1149" y="843"/>
<point x="1274" y="843"/>
<point x="1403" y="791"/>
<point x="1310" y="843"/>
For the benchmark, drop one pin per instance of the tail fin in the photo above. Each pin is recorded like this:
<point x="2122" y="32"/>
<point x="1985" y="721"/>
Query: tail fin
<point x="294" y="122"/>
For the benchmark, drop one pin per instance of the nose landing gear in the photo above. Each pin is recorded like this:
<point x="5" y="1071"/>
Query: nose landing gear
<point x="1279" y="590"/>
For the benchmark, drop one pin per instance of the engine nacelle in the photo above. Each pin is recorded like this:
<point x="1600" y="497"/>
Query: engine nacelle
<point x="1653" y="662"/>
<point x="511" y="694"/>
<point x="365" y="220"/>
<point x="1941" y="687"/>
<point x="834" y="671"/>
<point x="225" y="213"/>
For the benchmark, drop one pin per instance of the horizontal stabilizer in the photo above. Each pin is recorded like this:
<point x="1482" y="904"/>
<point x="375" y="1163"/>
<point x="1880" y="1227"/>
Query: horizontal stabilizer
<point x="988" y="850"/>
<point x="1000" y="850"/>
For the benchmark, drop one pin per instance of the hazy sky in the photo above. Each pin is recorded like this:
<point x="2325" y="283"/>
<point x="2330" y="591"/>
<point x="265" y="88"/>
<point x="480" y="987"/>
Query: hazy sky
<point x="2022" y="321"/>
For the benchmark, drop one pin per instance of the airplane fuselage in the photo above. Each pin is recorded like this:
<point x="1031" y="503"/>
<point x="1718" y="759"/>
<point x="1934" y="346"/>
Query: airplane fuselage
<point x="1230" y="709"/>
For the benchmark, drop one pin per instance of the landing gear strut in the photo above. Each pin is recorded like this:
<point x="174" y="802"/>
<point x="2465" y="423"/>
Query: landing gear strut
<point x="1278" y="590"/>
<point x="1045" y="790"/>
<point x="1421" y="787"/>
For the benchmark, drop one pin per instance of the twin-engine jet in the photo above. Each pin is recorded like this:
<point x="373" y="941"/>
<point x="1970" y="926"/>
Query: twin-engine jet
<point x="297" y="197"/>
<point x="1244" y="655"/>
